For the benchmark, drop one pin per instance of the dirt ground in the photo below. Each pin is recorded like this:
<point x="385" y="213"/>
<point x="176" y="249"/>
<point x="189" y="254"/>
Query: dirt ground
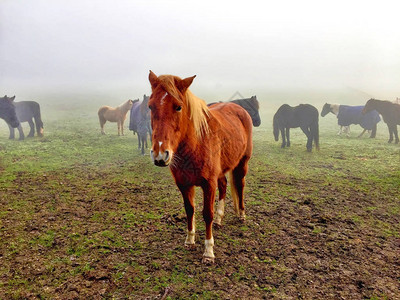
<point x="95" y="237"/>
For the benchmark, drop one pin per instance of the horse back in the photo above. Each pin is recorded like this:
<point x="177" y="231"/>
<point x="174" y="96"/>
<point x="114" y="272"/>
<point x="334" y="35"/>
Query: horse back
<point x="233" y="126"/>
<point x="26" y="110"/>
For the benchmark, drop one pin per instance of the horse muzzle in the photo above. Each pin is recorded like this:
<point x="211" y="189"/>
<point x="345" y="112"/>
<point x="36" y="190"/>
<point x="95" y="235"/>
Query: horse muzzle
<point x="162" y="159"/>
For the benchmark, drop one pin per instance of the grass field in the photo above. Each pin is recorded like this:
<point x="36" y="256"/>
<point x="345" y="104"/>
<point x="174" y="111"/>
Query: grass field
<point x="86" y="216"/>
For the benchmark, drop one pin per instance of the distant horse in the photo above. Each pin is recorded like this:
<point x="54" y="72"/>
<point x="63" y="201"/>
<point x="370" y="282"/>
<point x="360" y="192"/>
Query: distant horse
<point x="348" y="115"/>
<point x="390" y="112"/>
<point x="200" y="144"/>
<point x="304" y="116"/>
<point x="27" y="111"/>
<point x="117" y="114"/>
<point x="140" y="121"/>
<point x="7" y="111"/>
<point x="251" y="105"/>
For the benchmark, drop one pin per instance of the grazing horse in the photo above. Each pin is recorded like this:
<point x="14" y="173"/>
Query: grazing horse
<point x="7" y="111"/>
<point x="390" y="112"/>
<point x="117" y="114"/>
<point x="348" y="115"/>
<point x="251" y="105"/>
<point x="304" y="116"/>
<point x="27" y="111"/>
<point x="140" y="121"/>
<point x="200" y="144"/>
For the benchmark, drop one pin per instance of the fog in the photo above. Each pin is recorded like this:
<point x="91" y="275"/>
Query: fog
<point x="108" y="47"/>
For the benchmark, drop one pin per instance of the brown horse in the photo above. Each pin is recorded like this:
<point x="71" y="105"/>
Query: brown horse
<point x="200" y="144"/>
<point x="117" y="114"/>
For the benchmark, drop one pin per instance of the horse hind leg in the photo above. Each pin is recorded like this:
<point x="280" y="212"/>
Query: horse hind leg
<point x="32" y="128"/>
<point x="102" y="121"/>
<point x="307" y="132"/>
<point x="12" y="133"/>
<point x="362" y="133"/>
<point x="222" y="182"/>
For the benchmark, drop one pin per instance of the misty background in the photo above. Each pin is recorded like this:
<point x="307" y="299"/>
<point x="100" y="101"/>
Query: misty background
<point x="81" y="49"/>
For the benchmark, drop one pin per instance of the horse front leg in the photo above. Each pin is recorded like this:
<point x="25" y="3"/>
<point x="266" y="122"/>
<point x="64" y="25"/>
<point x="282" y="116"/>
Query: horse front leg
<point x="12" y="133"/>
<point x="283" y="145"/>
<point x="390" y="127"/>
<point x="208" y="215"/>
<point x="395" y="133"/>
<point x="32" y="130"/>
<point x="188" y="199"/>
<point x="287" y="137"/>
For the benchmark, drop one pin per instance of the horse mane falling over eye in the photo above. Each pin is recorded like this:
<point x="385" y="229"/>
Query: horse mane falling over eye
<point x="198" y="109"/>
<point x="200" y="144"/>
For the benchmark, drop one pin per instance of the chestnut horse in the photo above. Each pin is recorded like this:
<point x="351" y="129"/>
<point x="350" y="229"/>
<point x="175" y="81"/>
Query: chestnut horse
<point x="200" y="144"/>
<point x="117" y="114"/>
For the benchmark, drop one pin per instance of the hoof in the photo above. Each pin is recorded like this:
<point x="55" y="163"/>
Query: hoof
<point x="208" y="260"/>
<point x="242" y="219"/>
<point x="190" y="247"/>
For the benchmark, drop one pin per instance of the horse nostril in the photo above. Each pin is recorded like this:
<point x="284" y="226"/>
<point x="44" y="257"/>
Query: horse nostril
<point x="166" y="155"/>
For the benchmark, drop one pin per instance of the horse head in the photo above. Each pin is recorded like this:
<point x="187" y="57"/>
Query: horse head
<point x="7" y="111"/>
<point x="255" y="115"/>
<point x="326" y="109"/>
<point x="174" y="115"/>
<point x="369" y="106"/>
<point x="276" y="127"/>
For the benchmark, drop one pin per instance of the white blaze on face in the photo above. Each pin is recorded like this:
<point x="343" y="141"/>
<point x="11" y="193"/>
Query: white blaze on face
<point x="162" y="99"/>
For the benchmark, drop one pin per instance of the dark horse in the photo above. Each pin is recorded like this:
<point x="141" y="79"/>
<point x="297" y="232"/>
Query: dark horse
<point x="7" y="111"/>
<point x="251" y="105"/>
<point x="140" y="121"/>
<point x="390" y="112"/>
<point x="304" y="116"/>
<point x="27" y="111"/>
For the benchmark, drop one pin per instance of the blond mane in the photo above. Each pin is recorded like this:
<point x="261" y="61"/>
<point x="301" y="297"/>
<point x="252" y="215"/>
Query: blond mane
<point x="198" y="109"/>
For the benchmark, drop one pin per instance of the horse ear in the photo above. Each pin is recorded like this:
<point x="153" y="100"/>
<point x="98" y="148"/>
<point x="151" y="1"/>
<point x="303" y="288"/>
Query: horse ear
<point x="153" y="79"/>
<point x="12" y="98"/>
<point x="184" y="84"/>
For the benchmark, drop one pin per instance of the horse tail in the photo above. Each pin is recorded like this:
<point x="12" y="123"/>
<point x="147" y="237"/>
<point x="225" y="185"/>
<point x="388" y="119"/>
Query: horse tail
<point x="314" y="128"/>
<point x="234" y="192"/>
<point x="101" y="112"/>
<point x="38" y="120"/>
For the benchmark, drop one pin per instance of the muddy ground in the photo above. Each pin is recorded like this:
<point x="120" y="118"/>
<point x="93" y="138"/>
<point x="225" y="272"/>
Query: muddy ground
<point x="83" y="233"/>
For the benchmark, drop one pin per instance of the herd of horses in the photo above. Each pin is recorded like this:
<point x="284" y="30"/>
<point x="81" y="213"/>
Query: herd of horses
<point x="202" y="143"/>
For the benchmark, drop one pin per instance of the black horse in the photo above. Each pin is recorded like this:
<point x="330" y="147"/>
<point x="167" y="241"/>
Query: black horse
<point x="251" y="105"/>
<point x="304" y="116"/>
<point x="27" y="111"/>
<point x="390" y="112"/>
<point x="7" y="111"/>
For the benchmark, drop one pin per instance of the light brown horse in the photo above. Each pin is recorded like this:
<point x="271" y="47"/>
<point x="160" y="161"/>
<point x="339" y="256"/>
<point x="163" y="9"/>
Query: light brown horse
<point x="117" y="114"/>
<point x="200" y="144"/>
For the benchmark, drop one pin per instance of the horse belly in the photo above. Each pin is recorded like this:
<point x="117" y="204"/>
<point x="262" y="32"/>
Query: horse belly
<point x="112" y="116"/>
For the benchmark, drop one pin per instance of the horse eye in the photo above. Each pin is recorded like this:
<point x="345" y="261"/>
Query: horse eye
<point x="150" y="107"/>
<point x="178" y="108"/>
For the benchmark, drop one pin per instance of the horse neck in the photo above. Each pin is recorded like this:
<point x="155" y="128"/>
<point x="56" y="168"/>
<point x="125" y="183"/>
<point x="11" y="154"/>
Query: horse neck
<point x="335" y="109"/>
<point x="124" y="107"/>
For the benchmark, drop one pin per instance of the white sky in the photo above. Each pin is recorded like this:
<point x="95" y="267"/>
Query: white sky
<point x="110" y="45"/>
